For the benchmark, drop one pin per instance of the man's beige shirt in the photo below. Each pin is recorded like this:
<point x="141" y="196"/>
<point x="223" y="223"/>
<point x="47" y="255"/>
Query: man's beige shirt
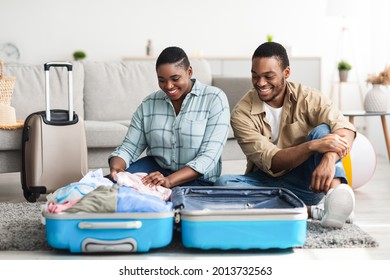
<point x="303" y="109"/>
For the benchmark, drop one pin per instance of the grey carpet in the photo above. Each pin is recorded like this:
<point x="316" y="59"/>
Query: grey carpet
<point x="21" y="230"/>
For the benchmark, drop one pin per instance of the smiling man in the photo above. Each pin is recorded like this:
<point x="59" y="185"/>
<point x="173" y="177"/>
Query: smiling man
<point x="293" y="138"/>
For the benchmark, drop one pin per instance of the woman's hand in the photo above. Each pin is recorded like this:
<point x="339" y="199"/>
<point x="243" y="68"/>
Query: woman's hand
<point x="157" y="179"/>
<point x="113" y="173"/>
<point x="186" y="174"/>
<point x="117" y="165"/>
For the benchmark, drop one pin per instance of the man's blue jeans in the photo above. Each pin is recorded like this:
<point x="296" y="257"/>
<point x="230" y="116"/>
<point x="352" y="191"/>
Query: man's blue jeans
<point x="148" y="164"/>
<point x="297" y="180"/>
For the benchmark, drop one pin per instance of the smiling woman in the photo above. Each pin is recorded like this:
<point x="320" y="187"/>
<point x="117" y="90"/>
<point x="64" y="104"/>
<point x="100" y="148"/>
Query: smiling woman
<point x="183" y="127"/>
<point x="178" y="85"/>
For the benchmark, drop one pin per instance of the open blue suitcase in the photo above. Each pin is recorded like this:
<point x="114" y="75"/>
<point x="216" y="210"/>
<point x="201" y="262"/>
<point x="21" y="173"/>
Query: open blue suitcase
<point x="239" y="218"/>
<point x="208" y="218"/>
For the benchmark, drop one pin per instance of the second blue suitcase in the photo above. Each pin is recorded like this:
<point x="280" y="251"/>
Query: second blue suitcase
<point x="239" y="218"/>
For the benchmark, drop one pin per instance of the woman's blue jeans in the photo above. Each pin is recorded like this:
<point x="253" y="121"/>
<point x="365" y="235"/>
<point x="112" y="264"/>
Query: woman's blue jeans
<point x="148" y="164"/>
<point x="297" y="180"/>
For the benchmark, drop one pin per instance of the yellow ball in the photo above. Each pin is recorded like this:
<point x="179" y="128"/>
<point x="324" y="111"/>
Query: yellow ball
<point x="360" y="163"/>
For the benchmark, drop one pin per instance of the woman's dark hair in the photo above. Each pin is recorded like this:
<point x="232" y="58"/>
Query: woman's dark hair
<point x="173" y="55"/>
<point x="270" y="49"/>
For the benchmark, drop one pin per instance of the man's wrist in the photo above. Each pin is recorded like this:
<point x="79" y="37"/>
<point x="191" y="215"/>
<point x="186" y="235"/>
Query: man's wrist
<point x="332" y="156"/>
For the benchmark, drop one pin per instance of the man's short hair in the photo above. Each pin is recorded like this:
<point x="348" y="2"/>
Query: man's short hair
<point x="270" y="49"/>
<point x="173" y="55"/>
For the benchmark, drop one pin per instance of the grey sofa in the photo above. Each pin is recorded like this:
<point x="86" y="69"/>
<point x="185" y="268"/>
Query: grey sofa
<point x="105" y="94"/>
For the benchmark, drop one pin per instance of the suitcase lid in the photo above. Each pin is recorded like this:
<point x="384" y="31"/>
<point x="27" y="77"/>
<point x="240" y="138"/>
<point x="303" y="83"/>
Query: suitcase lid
<point x="211" y="201"/>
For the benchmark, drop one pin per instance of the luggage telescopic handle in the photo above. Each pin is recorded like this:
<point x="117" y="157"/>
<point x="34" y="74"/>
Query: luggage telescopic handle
<point x="68" y="66"/>
<point x="110" y="225"/>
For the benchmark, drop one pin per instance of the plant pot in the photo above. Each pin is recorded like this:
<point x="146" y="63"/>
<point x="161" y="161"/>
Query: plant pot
<point x="343" y="75"/>
<point x="376" y="99"/>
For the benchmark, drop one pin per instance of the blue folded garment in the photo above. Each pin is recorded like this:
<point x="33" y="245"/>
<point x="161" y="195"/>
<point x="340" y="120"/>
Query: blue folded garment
<point x="129" y="200"/>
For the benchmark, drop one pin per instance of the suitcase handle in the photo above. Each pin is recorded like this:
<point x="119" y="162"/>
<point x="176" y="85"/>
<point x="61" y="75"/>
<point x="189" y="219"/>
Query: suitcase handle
<point x="66" y="64"/>
<point x="110" y="225"/>
<point x="69" y="67"/>
<point x="92" y="245"/>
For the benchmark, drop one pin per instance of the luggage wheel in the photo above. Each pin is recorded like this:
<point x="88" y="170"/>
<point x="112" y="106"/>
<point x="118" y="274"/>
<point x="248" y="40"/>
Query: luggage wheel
<point x="32" y="196"/>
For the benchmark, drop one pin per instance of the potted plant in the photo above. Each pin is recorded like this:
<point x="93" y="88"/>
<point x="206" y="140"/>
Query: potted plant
<point x="343" y="67"/>
<point x="78" y="55"/>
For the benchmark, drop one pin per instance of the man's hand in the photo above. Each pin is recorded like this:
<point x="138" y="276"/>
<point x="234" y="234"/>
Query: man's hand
<point x="336" y="143"/>
<point x="323" y="174"/>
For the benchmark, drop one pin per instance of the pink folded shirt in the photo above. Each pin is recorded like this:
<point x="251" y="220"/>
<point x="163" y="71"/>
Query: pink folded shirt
<point x="60" y="207"/>
<point x="133" y="180"/>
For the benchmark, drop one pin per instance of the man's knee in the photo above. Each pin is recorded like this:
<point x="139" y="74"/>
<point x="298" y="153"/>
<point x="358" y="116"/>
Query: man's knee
<point x="319" y="132"/>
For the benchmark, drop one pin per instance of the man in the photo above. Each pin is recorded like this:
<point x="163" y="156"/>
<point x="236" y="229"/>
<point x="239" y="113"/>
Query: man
<point x="293" y="138"/>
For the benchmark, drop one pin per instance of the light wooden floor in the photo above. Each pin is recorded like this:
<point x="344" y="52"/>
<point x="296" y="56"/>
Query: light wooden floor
<point x="372" y="214"/>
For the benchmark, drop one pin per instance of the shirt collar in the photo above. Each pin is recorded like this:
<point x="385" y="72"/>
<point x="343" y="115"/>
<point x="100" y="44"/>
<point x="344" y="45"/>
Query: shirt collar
<point x="292" y="91"/>
<point x="196" y="88"/>
<point x="257" y="104"/>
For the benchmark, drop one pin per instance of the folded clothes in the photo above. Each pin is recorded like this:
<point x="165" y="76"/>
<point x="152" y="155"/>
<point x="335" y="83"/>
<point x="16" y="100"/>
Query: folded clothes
<point x="106" y="199"/>
<point x="100" y="200"/>
<point x="96" y="178"/>
<point x="130" y="200"/>
<point x="73" y="191"/>
<point x="77" y="190"/>
<point x="57" y="207"/>
<point x="96" y="194"/>
<point x="134" y="181"/>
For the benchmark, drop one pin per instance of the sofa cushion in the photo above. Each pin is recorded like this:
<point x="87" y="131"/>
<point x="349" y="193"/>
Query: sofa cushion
<point x="10" y="139"/>
<point x="113" y="90"/>
<point x="233" y="87"/>
<point x="230" y="133"/>
<point x="29" y="90"/>
<point x="101" y="134"/>
<point x="124" y="122"/>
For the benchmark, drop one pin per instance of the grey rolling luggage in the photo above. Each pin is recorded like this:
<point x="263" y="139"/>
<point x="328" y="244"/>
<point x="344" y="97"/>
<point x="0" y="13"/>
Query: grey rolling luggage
<point x="54" y="149"/>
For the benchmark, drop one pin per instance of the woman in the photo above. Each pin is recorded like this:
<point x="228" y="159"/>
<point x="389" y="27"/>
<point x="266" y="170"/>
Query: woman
<point x="183" y="128"/>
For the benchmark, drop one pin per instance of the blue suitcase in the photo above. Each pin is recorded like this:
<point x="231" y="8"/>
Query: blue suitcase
<point x="207" y="218"/>
<point x="239" y="218"/>
<point x="110" y="232"/>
